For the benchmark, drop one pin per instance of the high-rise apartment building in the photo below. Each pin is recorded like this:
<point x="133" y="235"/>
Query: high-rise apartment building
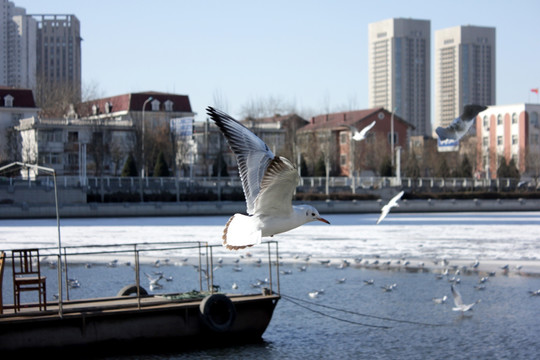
<point x="17" y="47"/>
<point x="464" y="70"/>
<point x="59" y="51"/>
<point x="399" y="70"/>
<point x="40" y="52"/>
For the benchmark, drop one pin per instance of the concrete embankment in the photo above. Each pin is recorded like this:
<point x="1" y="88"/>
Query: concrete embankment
<point x="29" y="211"/>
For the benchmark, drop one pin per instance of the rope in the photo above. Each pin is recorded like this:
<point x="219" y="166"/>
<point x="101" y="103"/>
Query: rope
<point x="333" y="317"/>
<point x="287" y="297"/>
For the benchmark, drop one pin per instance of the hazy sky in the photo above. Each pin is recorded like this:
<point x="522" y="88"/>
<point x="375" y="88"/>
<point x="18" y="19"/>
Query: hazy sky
<point x="310" y="54"/>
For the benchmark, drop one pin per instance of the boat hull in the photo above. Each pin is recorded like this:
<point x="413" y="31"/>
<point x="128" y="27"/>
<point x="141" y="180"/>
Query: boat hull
<point x="155" y="320"/>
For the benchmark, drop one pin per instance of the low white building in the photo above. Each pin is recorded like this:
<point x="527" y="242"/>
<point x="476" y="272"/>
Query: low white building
<point x="15" y="104"/>
<point x="96" y="138"/>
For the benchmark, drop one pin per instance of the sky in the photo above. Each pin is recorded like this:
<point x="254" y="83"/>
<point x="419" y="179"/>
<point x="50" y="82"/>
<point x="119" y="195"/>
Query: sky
<point x="308" y="55"/>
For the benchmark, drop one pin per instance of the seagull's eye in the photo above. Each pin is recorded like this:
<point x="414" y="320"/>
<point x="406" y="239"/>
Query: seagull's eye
<point x="313" y="214"/>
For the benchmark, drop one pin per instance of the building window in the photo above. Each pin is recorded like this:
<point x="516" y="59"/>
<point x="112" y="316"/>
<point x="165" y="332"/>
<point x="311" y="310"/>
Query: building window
<point x="169" y="105"/>
<point x="499" y="140"/>
<point x="514" y="118"/>
<point x="485" y="122"/>
<point x="8" y="101"/>
<point x="534" y="118"/>
<point x="155" y="105"/>
<point x="343" y="138"/>
<point x="46" y="136"/>
<point x="95" y="109"/>
<point x="343" y="160"/>
<point x="485" y="141"/>
<point x="499" y="119"/>
<point x="514" y="139"/>
<point x="395" y="138"/>
<point x="73" y="136"/>
<point x="50" y="158"/>
<point x="108" y="107"/>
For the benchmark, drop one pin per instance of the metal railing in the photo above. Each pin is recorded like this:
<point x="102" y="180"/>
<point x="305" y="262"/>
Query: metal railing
<point x="173" y="184"/>
<point x="205" y="254"/>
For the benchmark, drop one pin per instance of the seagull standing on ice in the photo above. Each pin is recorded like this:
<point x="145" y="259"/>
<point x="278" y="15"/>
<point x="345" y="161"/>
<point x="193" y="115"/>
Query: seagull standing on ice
<point x="360" y="135"/>
<point x="268" y="182"/>
<point x="460" y="306"/>
<point x="459" y="127"/>
<point x="392" y="203"/>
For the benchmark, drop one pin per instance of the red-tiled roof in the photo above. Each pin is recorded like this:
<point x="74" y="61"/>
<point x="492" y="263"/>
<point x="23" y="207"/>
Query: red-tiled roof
<point x="339" y="119"/>
<point x="22" y="98"/>
<point x="134" y="102"/>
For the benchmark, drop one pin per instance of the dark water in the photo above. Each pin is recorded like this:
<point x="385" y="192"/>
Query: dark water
<point x="503" y="325"/>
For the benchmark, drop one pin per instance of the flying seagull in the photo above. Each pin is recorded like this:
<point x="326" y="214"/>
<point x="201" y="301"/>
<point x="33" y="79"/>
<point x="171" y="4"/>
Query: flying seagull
<point x="268" y="182"/>
<point x="460" y="306"/>
<point x="154" y="281"/>
<point x="360" y="135"/>
<point x="392" y="203"/>
<point x="459" y="127"/>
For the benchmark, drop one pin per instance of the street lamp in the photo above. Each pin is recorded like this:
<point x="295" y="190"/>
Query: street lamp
<point x="143" y="163"/>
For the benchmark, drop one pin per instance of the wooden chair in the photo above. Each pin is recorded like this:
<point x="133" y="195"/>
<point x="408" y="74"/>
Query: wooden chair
<point x="2" y="262"/>
<point x="27" y="276"/>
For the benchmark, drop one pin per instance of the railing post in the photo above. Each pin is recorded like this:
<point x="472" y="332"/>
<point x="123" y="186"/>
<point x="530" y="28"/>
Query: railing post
<point x="137" y="275"/>
<point x="270" y="268"/>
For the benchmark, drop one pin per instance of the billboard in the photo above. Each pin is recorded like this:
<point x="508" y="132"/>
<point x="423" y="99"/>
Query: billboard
<point x="447" y="145"/>
<point x="182" y="126"/>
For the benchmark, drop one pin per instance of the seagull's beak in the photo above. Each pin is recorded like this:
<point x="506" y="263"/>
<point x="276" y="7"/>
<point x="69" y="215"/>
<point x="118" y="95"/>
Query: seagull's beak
<point x="323" y="220"/>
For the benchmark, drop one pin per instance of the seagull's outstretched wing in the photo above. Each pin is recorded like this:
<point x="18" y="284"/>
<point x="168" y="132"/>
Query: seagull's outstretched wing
<point x="461" y="125"/>
<point x="385" y="210"/>
<point x="395" y="199"/>
<point x="277" y="188"/>
<point x="268" y="181"/>
<point x="457" y="297"/>
<point x="354" y="130"/>
<point x="364" y="131"/>
<point x="252" y="154"/>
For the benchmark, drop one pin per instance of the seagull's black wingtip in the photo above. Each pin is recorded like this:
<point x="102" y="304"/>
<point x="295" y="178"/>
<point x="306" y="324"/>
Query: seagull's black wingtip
<point x="210" y="110"/>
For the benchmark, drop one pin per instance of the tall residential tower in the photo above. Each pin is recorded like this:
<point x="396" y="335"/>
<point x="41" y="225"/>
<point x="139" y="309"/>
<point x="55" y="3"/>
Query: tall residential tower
<point x="464" y="70"/>
<point x="17" y="47"/>
<point x="399" y="70"/>
<point x="58" y="52"/>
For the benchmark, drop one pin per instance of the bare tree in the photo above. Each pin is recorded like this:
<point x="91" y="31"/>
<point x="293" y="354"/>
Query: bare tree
<point x="266" y="107"/>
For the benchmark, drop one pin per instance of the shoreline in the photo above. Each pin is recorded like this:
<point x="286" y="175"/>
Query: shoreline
<point x="163" y="209"/>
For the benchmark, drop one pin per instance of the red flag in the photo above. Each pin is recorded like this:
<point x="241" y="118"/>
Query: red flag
<point x="535" y="90"/>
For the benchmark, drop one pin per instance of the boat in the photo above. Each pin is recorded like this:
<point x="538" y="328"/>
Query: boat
<point x="135" y="320"/>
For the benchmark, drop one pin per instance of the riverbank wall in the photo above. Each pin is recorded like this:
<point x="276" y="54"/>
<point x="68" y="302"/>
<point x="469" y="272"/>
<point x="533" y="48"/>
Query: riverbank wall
<point x="202" y="208"/>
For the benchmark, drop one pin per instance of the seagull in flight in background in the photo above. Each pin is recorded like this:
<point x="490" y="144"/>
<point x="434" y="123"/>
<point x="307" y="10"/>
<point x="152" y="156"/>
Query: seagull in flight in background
<point x="458" y="301"/>
<point x="392" y="203"/>
<point x="459" y="127"/>
<point x="268" y="182"/>
<point x="360" y="135"/>
<point x="154" y="281"/>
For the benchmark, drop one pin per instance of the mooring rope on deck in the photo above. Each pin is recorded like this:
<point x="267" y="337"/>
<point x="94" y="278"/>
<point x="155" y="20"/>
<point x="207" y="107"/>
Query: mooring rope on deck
<point x="295" y="301"/>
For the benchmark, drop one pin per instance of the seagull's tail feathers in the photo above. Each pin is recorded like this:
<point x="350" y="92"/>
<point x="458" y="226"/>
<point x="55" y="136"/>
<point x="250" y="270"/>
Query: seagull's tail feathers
<point x="444" y="133"/>
<point x="241" y="232"/>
